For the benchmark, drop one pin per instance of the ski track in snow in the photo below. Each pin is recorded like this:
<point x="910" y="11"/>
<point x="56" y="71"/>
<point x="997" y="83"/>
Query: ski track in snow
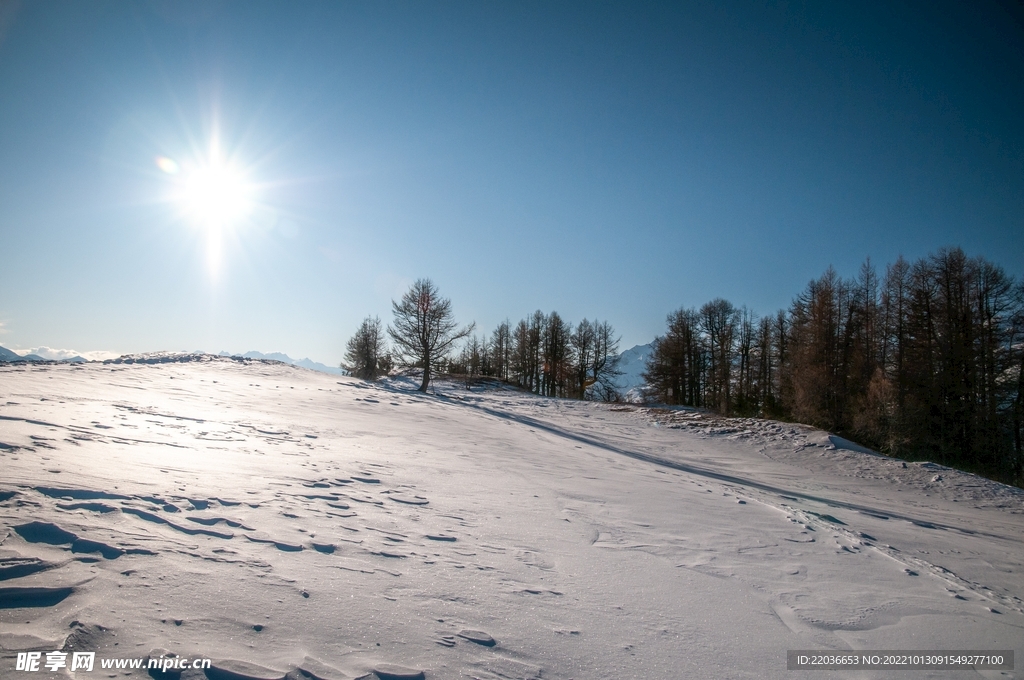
<point x="281" y="521"/>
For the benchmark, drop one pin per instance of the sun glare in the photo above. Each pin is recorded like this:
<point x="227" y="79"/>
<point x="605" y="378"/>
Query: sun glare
<point x="214" y="194"/>
<point x="216" y="197"/>
<point x="168" y="165"/>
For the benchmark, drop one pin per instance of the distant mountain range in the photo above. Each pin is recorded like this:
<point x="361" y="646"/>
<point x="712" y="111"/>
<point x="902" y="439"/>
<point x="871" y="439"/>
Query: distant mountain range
<point x="285" y="359"/>
<point x="632" y="363"/>
<point x="12" y="357"/>
<point x="9" y="356"/>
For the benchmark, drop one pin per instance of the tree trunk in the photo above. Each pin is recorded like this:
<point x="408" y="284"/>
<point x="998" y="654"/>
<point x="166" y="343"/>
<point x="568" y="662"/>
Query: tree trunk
<point x="426" y="376"/>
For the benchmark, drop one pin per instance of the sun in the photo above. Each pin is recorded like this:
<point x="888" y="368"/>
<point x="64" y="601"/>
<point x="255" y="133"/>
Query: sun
<point x="216" y="196"/>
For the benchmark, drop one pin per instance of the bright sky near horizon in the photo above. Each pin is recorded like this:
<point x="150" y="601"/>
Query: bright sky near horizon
<point x="262" y="175"/>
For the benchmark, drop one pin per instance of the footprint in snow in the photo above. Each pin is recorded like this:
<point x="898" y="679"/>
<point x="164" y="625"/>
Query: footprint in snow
<point x="477" y="636"/>
<point x="389" y="671"/>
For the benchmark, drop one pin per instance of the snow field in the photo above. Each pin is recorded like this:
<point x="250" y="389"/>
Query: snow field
<point x="282" y="521"/>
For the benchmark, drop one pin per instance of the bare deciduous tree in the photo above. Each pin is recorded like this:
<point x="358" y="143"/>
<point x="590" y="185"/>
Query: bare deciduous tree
<point x="501" y="350"/>
<point x="604" y="367"/>
<point x="424" y="329"/>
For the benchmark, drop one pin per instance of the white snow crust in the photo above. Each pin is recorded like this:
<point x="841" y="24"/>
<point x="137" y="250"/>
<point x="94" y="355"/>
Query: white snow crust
<point x="282" y="521"/>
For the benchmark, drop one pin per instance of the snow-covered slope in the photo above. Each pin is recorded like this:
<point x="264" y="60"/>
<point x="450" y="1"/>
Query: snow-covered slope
<point x="633" y="363"/>
<point x="273" y="519"/>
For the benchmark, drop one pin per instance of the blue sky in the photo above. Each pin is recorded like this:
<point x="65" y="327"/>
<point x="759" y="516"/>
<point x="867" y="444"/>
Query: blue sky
<point x="610" y="160"/>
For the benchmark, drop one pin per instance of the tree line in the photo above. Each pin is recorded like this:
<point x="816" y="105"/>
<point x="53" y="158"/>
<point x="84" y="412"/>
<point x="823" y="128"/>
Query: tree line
<point x="548" y="355"/>
<point x="543" y="353"/>
<point x="926" y="361"/>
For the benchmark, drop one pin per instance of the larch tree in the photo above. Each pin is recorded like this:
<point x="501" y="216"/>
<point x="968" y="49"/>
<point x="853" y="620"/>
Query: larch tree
<point x="719" y="322"/>
<point x="676" y="369"/>
<point x="424" y="329"/>
<point x="604" y="366"/>
<point x="501" y="350"/>
<point x="582" y="340"/>
<point x="366" y="354"/>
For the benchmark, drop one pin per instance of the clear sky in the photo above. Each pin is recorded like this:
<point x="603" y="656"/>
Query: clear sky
<point x="249" y="175"/>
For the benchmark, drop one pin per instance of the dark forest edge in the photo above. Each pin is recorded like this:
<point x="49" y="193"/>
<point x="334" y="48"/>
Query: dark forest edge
<point x="924" y="363"/>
